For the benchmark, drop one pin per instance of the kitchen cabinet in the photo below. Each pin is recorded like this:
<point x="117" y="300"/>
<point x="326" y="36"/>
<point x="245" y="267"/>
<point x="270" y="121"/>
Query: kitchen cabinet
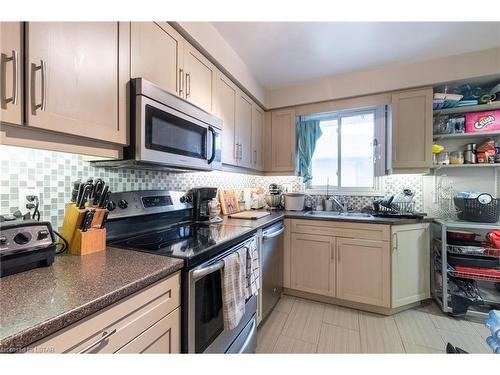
<point x="147" y="321"/>
<point x="363" y="271"/>
<point x="282" y="142"/>
<point x="410" y="264"/>
<point x="243" y="131"/>
<point x="410" y="133"/>
<point x="11" y="94"/>
<point x="313" y="264"/>
<point x="227" y="95"/>
<point x="199" y="78"/>
<point x="76" y="78"/>
<point x="257" y="132"/>
<point x="156" y="54"/>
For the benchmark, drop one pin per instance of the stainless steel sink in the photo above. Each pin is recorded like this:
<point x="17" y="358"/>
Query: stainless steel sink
<point x="336" y="214"/>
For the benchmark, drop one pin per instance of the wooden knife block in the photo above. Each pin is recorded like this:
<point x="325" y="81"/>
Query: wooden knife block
<point x="82" y="243"/>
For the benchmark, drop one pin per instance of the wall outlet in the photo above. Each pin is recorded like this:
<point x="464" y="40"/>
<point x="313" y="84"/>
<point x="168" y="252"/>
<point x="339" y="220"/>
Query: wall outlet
<point x="23" y="201"/>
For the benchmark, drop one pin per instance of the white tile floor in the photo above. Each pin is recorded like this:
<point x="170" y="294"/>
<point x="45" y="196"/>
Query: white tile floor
<point x="302" y="326"/>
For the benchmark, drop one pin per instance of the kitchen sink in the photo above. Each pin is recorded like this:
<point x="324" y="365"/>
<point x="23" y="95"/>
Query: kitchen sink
<point x="336" y="214"/>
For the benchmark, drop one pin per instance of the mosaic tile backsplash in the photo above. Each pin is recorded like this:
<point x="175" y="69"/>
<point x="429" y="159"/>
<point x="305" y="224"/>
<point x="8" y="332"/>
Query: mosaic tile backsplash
<point x="52" y="174"/>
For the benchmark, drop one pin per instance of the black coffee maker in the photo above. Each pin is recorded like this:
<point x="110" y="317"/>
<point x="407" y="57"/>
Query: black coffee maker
<point x="199" y="198"/>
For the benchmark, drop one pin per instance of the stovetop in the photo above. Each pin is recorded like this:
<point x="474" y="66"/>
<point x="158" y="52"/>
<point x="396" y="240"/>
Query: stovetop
<point x="190" y="241"/>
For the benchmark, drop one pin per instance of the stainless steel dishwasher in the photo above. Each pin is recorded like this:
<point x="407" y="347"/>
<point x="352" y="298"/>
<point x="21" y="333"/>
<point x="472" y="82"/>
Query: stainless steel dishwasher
<point x="272" y="266"/>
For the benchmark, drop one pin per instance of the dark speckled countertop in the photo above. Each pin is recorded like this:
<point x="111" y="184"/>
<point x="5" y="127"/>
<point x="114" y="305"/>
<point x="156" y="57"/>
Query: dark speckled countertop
<point x="39" y="302"/>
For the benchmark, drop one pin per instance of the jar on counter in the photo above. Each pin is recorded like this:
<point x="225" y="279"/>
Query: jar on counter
<point x="456" y="157"/>
<point x="470" y="154"/>
<point x="443" y="158"/>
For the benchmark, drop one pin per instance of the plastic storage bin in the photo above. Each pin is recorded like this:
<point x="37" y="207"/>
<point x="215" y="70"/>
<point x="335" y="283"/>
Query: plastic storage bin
<point x="471" y="209"/>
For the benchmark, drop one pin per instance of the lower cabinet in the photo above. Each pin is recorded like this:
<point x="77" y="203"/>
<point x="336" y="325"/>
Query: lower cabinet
<point x="410" y="259"/>
<point x="313" y="264"/>
<point x="363" y="271"/>
<point x="146" y="322"/>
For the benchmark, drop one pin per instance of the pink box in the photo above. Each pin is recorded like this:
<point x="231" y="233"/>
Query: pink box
<point x="487" y="121"/>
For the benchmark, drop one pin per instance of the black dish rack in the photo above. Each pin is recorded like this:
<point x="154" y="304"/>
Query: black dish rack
<point x="471" y="209"/>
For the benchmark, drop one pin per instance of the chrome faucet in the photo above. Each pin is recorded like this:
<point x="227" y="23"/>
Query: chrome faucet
<point x="343" y="206"/>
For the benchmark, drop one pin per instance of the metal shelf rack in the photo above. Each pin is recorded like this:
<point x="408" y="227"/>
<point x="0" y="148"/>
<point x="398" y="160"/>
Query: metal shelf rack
<point x="441" y="294"/>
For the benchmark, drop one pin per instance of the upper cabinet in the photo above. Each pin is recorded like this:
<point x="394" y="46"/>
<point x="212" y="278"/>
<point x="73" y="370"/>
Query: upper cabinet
<point x="156" y="54"/>
<point x="282" y="141"/>
<point x="76" y="78"/>
<point x="257" y="133"/>
<point x="199" y="78"/>
<point x="410" y="133"/>
<point x="226" y="97"/>
<point x="10" y="72"/>
<point x="244" y="130"/>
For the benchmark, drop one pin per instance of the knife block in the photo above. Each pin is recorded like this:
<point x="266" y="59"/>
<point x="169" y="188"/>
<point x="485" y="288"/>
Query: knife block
<point x="91" y="241"/>
<point x="72" y="219"/>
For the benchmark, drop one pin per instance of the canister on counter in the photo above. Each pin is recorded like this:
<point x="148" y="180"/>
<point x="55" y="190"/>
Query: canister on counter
<point x="470" y="154"/>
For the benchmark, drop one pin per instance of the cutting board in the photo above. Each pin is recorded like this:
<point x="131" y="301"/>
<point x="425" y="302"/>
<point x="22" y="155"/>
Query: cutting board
<point x="249" y="215"/>
<point x="228" y="201"/>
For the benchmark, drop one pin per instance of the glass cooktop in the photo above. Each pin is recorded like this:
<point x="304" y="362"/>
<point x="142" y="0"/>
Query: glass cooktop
<point x="185" y="241"/>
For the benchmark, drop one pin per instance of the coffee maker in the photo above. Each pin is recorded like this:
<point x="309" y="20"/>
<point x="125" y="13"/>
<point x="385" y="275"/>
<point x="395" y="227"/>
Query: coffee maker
<point x="199" y="198"/>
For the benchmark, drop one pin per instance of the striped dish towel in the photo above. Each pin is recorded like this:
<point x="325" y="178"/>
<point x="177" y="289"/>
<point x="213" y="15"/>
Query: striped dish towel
<point x="234" y="282"/>
<point x="253" y="270"/>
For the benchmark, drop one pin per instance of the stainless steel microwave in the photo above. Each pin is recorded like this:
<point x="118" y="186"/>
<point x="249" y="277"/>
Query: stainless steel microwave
<point x="168" y="131"/>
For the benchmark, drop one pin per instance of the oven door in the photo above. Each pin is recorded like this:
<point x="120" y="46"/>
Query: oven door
<point x="167" y="136"/>
<point x="206" y="332"/>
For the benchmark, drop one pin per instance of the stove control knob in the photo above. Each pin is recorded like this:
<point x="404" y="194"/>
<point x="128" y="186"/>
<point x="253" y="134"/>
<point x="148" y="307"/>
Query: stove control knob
<point x="111" y="205"/>
<point x="3" y="241"/>
<point x="123" y="203"/>
<point x="22" y="238"/>
<point x="43" y="234"/>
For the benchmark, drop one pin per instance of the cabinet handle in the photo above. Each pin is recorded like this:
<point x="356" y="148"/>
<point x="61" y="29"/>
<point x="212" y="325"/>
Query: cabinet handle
<point x="394" y="241"/>
<point x="181" y="89"/>
<point x="43" y="70"/>
<point x="15" y="72"/>
<point x="338" y="256"/>
<point x="188" y="85"/>
<point x="236" y="151"/>
<point x="241" y="151"/>
<point x="332" y="253"/>
<point x="255" y="156"/>
<point x="105" y="337"/>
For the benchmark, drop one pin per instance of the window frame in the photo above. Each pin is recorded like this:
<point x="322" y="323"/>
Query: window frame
<point x="380" y="124"/>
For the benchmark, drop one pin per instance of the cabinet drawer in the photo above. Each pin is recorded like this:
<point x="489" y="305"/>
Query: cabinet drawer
<point x="378" y="232"/>
<point x="162" y="337"/>
<point x="120" y="322"/>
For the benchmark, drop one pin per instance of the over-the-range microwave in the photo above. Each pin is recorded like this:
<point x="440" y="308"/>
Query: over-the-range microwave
<point x="168" y="132"/>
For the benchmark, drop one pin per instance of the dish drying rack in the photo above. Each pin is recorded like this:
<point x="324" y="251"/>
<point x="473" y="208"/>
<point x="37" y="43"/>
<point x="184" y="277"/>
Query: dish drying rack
<point x="399" y="208"/>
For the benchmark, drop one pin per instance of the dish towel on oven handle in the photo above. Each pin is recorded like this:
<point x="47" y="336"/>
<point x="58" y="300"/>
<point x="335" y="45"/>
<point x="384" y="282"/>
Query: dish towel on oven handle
<point x="234" y="284"/>
<point x="253" y="270"/>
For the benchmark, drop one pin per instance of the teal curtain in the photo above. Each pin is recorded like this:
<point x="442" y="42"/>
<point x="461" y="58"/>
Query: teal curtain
<point x="308" y="132"/>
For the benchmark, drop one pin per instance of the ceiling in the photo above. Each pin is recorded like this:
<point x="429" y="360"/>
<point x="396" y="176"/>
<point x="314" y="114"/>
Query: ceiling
<point x="282" y="53"/>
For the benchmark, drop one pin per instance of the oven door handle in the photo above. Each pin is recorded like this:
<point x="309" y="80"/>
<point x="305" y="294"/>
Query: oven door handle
<point x="214" y="140"/>
<point x="198" y="274"/>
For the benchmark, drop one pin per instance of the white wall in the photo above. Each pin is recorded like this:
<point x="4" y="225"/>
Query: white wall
<point x="388" y="78"/>
<point x="216" y="46"/>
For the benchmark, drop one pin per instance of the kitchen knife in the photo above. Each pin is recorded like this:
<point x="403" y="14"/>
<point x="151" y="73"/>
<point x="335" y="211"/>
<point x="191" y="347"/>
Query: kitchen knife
<point x="104" y="219"/>
<point x="80" y="192"/>
<point x="104" y="197"/>
<point x="83" y="199"/>
<point x="75" y="191"/>
<point x="98" y="191"/>
<point x="87" y="221"/>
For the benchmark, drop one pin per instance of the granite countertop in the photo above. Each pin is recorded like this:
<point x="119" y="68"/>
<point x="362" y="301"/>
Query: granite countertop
<point x="39" y="302"/>
<point x="280" y="214"/>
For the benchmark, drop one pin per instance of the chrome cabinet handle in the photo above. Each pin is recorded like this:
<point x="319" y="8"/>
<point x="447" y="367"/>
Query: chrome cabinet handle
<point x="105" y="337"/>
<point x="188" y="85"/>
<point x="43" y="70"/>
<point x="181" y="88"/>
<point x="255" y="156"/>
<point x="394" y="241"/>
<point x="241" y="151"/>
<point x="236" y="151"/>
<point x="15" y="72"/>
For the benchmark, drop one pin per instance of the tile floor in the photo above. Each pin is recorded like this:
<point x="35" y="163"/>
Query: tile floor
<point x="301" y="326"/>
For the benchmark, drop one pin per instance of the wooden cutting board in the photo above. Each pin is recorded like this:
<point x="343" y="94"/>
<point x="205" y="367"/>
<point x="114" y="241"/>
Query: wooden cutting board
<point x="249" y="215"/>
<point x="228" y="201"/>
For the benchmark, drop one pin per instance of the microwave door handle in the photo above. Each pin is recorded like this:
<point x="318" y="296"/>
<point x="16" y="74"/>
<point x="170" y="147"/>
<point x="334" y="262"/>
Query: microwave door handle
<point x="213" y="144"/>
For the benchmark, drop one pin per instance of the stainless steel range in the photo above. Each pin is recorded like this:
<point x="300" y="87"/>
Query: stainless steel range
<point x="155" y="221"/>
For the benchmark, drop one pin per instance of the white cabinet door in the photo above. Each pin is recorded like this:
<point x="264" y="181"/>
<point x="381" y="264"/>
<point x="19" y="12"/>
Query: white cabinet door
<point x="156" y="54"/>
<point x="75" y="78"/>
<point x="313" y="264"/>
<point x="227" y="95"/>
<point x="411" y="135"/>
<point x="244" y="130"/>
<point x="11" y="94"/>
<point x="200" y="78"/>
<point x="283" y="141"/>
<point x="364" y="271"/>
<point x="257" y="131"/>
<point x="410" y="264"/>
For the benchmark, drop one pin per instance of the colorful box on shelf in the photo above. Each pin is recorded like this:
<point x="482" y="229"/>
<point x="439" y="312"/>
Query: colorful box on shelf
<point x="487" y="121"/>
